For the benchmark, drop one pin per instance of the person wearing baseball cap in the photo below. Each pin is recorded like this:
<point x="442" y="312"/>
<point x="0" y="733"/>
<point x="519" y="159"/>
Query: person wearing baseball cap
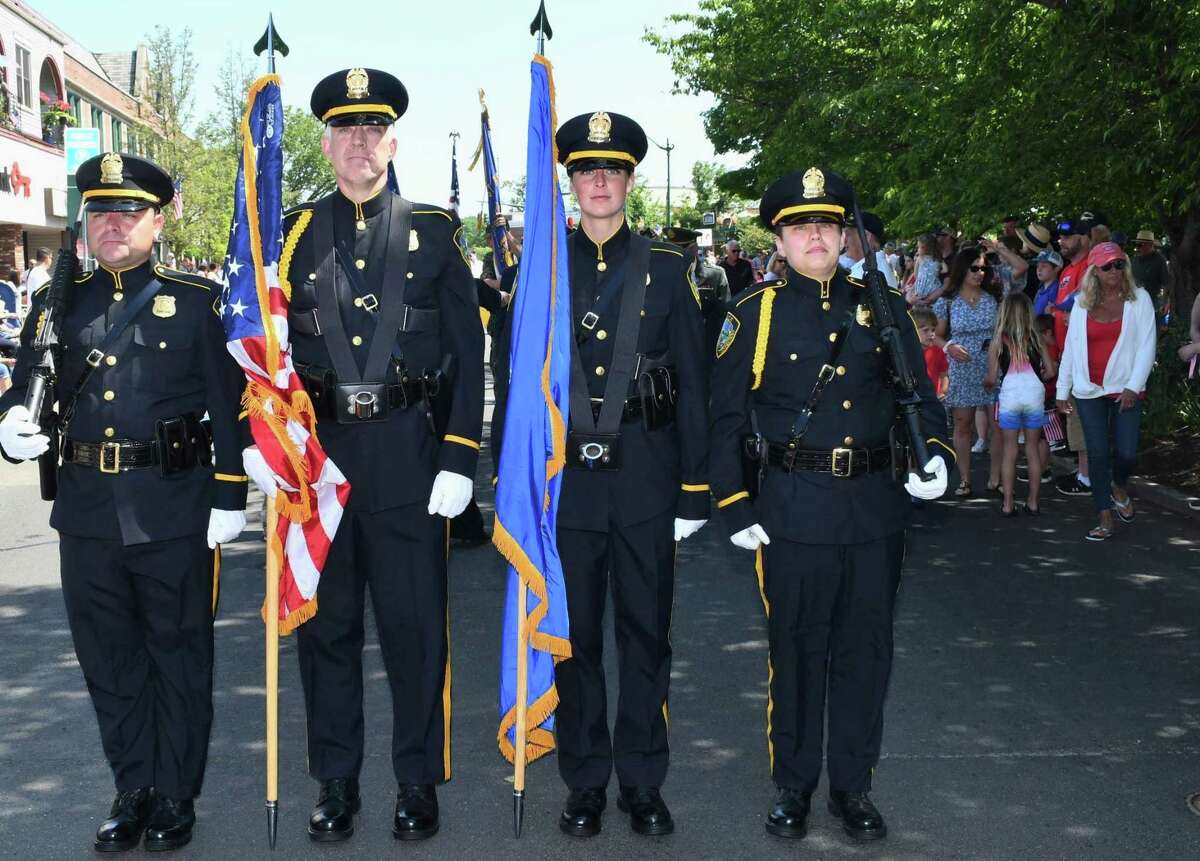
<point x="823" y="566"/>
<point x="1048" y="264"/>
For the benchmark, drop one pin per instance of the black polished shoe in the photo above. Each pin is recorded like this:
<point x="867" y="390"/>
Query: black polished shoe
<point x="860" y="819"/>
<point x="788" y="816"/>
<point x="170" y="826"/>
<point x="126" y="820"/>
<point x="333" y="817"/>
<point x="581" y="813"/>
<point x="648" y="813"/>
<point x="416" y="812"/>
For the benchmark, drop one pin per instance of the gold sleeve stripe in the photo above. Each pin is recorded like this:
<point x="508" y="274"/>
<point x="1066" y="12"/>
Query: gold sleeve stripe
<point x="696" y="488"/>
<point x="462" y="441"/>
<point x="954" y="456"/>
<point x="730" y="500"/>
<point x="224" y="476"/>
<point x="764" y="335"/>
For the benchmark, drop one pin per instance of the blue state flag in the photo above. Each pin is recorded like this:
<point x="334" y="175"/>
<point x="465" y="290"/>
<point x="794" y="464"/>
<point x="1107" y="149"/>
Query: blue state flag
<point x="534" y="444"/>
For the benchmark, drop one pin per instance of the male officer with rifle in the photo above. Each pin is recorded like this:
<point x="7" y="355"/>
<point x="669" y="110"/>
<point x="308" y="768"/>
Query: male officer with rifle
<point x="384" y="323"/>
<point x="807" y="462"/>
<point x="134" y="354"/>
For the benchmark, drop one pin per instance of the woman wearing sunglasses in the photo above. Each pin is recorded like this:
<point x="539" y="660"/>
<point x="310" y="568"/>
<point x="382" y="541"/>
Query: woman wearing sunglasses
<point x="1107" y="356"/>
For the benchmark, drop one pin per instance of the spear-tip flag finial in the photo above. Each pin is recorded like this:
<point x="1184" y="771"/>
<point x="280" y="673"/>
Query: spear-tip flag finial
<point x="271" y="43"/>
<point x="540" y="26"/>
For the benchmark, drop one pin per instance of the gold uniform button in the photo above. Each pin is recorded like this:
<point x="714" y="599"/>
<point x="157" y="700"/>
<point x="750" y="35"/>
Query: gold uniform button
<point x="360" y="264"/>
<point x="832" y="337"/>
<point x="162" y="345"/>
<point x="792" y="357"/>
<point x="110" y="360"/>
<point x="357" y="301"/>
<point x="312" y="276"/>
<point x="109" y="432"/>
<point x="118" y="296"/>
<point x="600" y="371"/>
<point x="360" y="224"/>
<point x="841" y="370"/>
<point x="109" y="395"/>
<point x="601" y="335"/>
<point x="825" y="306"/>
<point x="356" y="340"/>
<point x="846" y="405"/>
<point x="879" y="349"/>
<point x="643" y="312"/>
<point x="848" y="441"/>
<point x="409" y="275"/>
<point x="601" y="266"/>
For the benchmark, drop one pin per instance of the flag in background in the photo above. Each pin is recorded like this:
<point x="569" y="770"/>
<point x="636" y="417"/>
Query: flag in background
<point x="454" y="176"/>
<point x="492" y="181"/>
<point x="254" y="311"/>
<point x="177" y="200"/>
<point x="393" y="184"/>
<point x="534" y="445"/>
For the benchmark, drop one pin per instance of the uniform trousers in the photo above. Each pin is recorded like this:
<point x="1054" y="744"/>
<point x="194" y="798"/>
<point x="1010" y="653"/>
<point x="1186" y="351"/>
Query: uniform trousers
<point x="141" y="617"/>
<point x="829" y="623"/>
<point x="400" y="554"/>
<point x="638" y="564"/>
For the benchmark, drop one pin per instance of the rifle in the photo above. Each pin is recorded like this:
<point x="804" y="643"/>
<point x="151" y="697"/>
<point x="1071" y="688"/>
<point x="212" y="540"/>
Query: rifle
<point x="43" y="377"/>
<point x="904" y="383"/>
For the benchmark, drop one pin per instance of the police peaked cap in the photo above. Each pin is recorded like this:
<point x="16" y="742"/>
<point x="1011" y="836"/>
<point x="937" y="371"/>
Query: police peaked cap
<point x="117" y="182"/>
<point x="870" y="222"/>
<point x="600" y="139"/>
<point x="359" y="97"/>
<point x="681" y="235"/>
<point x="813" y="195"/>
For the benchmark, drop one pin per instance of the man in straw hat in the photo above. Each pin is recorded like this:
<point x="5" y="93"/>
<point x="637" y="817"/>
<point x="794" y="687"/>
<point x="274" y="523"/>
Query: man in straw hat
<point x="1151" y="271"/>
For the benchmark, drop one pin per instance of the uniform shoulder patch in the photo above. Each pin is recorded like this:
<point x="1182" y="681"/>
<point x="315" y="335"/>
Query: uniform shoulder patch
<point x="461" y="245"/>
<point x="729" y="330"/>
<point x="693" y="278"/>
<point x="182" y="277"/>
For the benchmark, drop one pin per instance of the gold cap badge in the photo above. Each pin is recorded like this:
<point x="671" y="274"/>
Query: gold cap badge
<point x="164" y="306"/>
<point x="357" y="83"/>
<point x="600" y="128"/>
<point x="862" y="315"/>
<point x="814" y="183"/>
<point x="112" y="169"/>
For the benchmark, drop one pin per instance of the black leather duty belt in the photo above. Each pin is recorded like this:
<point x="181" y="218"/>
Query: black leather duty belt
<point x="411" y="319"/>
<point x="111" y="457"/>
<point x="841" y="462"/>
<point x="631" y="412"/>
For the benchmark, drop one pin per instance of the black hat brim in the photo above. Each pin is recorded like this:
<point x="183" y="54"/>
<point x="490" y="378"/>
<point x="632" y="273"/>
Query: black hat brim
<point x="118" y="204"/>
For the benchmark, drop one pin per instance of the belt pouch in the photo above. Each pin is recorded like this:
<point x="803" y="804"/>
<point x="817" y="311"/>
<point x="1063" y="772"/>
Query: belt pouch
<point x="659" y="394"/>
<point x="174" y="448"/>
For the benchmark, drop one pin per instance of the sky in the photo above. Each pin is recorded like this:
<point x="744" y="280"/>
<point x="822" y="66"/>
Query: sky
<point x="443" y="52"/>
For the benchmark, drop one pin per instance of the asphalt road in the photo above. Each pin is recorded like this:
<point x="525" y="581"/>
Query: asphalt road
<point x="1045" y="705"/>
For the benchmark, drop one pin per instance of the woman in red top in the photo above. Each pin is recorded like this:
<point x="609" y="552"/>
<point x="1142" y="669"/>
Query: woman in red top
<point x="1107" y="357"/>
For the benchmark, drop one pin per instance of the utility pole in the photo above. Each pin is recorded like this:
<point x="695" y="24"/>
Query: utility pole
<point x="667" y="149"/>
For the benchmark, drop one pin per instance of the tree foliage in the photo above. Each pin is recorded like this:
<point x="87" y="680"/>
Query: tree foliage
<point x="307" y="174"/>
<point x="965" y="110"/>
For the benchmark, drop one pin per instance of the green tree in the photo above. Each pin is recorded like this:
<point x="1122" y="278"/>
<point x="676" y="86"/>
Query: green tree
<point x="307" y="174"/>
<point x="961" y="108"/>
<point x="642" y="210"/>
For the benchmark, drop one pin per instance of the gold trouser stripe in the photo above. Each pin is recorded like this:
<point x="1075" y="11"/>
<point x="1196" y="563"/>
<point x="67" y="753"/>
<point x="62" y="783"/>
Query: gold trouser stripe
<point x="730" y="500"/>
<point x="446" y="682"/>
<point x="953" y="456"/>
<point x="462" y="440"/>
<point x="763" y="337"/>
<point x="762" y="592"/>
<point x="216" y="578"/>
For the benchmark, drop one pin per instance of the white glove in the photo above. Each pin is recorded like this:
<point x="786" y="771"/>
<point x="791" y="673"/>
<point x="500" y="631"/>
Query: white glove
<point x="258" y="471"/>
<point x="684" y="528"/>
<point x="934" y="487"/>
<point x="20" y="436"/>
<point x="224" y="526"/>
<point x="750" y="538"/>
<point x="451" y="493"/>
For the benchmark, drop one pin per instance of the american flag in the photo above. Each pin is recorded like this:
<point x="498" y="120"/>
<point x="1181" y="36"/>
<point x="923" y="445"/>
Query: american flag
<point x="177" y="200"/>
<point x="254" y="311"/>
<point x="454" y="177"/>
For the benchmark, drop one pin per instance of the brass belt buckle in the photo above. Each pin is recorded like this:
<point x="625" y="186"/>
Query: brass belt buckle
<point x="842" y="463"/>
<point x="110" y="458"/>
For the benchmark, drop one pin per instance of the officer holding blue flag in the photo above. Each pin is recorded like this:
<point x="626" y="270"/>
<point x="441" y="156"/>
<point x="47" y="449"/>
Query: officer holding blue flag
<point x="634" y="482"/>
<point x="385" y="334"/>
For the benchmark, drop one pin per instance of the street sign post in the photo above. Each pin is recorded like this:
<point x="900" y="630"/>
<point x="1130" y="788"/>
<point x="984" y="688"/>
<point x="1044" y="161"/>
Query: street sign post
<point x="80" y="145"/>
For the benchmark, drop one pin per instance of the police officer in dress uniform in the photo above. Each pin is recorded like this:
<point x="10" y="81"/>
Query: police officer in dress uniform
<point x="143" y="360"/>
<point x="711" y="282"/>
<point x="385" y="334"/>
<point x="828" y="523"/>
<point x="635" y="479"/>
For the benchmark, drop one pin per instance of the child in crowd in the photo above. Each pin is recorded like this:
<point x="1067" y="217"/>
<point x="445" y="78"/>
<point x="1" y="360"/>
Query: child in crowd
<point x="937" y="366"/>
<point x="1049" y="264"/>
<point x="1017" y="354"/>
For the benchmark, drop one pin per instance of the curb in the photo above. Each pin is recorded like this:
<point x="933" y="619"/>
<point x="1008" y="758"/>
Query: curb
<point x="1146" y="490"/>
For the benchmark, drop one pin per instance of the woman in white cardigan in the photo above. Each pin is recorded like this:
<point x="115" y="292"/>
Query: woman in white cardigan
<point x="1108" y="354"/>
